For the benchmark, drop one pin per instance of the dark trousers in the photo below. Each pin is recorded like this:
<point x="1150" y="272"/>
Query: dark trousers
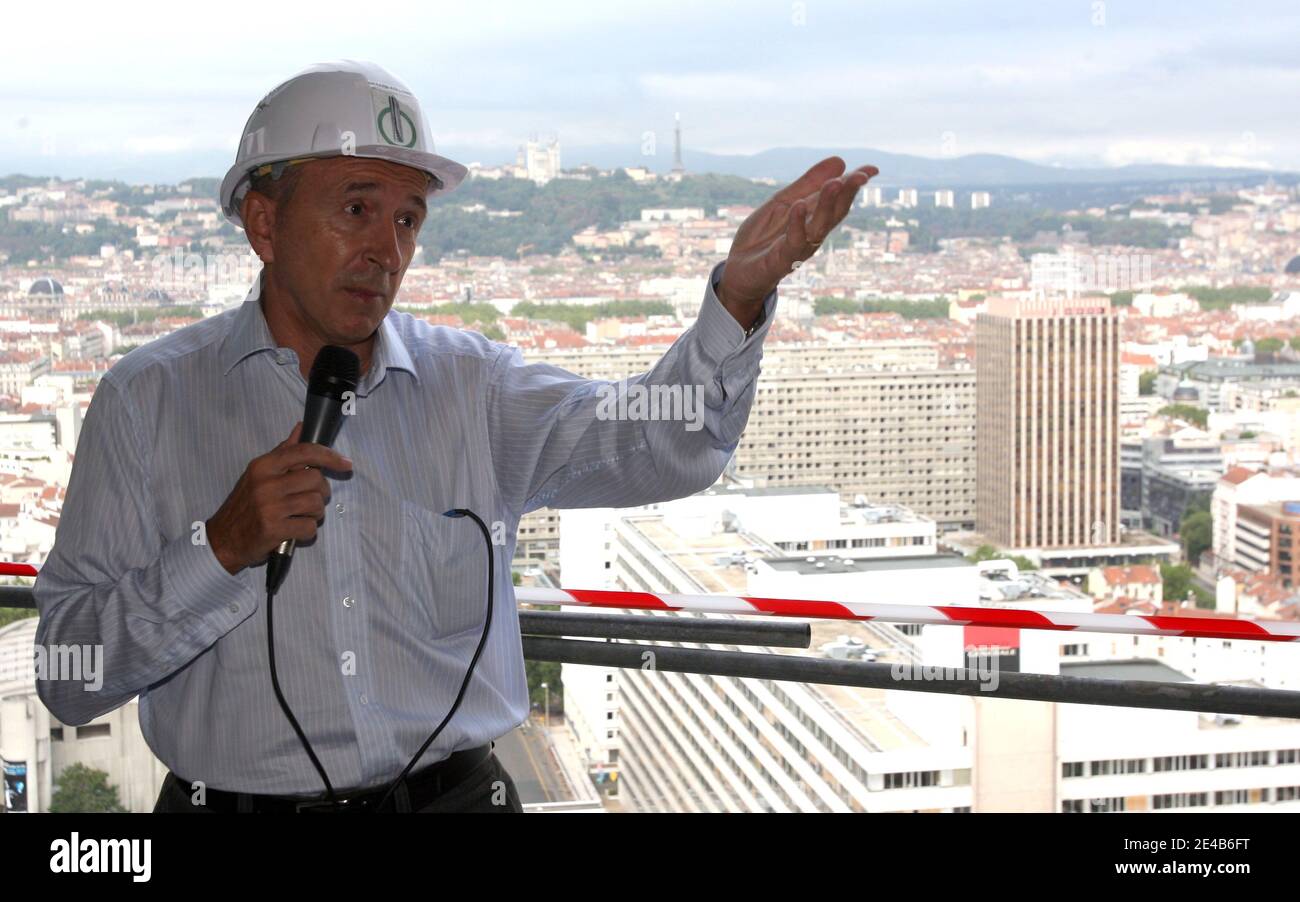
<point x="487" y="789"/>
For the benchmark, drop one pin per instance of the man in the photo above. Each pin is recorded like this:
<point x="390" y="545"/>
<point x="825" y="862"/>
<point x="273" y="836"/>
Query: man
<point x="175" y="503"/>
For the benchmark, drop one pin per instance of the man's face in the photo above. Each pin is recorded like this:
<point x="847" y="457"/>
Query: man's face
<point x="343" y="241"/>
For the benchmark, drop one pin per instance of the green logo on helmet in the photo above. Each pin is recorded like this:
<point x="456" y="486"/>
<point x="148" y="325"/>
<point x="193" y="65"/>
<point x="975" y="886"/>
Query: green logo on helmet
<point x="400" y="129"/>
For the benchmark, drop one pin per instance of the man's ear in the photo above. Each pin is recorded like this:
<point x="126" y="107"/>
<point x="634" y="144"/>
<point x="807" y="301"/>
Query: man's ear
<point x="258" y="215"/>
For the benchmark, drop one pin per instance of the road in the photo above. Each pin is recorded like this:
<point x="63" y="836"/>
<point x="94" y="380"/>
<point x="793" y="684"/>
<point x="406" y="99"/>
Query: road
<point x="525" y="754"/>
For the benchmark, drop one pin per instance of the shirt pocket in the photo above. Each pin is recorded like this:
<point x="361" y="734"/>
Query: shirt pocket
<point x="443" y="573"/>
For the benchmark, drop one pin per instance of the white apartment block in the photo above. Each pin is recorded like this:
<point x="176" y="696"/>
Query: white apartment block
<point x="881" y="420"/>
<point x="32" y="737"/>
<point x="1244" y="486"/>
<point x="701" y="743"/>
<point x="1134" y="759"/>
<point x="1164" y="304"/>
<point x="17" y="373"/>
<point x="672" y="214"/>
<point x="686" y="742"/>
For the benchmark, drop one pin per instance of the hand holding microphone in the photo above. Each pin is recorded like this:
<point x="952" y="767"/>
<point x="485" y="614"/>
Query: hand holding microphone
<point x="279" y="500"/>
<point x="274" y="499"/>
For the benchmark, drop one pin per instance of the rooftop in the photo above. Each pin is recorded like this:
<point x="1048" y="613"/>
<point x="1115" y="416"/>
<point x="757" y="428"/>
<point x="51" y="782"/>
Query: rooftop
<point x="861" y="710"/>
<point x="1228" y="368"/>
<point x="823" y="564"/>
<point x="1143" y="669"/>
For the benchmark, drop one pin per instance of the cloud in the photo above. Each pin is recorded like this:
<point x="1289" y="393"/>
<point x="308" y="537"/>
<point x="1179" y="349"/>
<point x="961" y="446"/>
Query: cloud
<point x="158" y="144"/>
<point x="1161" y="81"/>
<point x="1241" y="154"/>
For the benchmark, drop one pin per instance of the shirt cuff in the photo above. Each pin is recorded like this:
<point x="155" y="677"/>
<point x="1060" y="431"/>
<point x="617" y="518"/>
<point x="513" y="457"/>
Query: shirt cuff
<point x="192" y="575"/>
<point x="719" y="333"/>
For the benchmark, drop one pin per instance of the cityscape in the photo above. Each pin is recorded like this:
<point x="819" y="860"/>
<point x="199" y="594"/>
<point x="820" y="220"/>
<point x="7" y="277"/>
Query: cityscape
<point x="1013" y="522"/>
<point x="1155" y="473"/>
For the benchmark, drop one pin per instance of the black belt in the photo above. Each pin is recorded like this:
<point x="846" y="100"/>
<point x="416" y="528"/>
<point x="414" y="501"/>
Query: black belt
<point x="422" y="787"/>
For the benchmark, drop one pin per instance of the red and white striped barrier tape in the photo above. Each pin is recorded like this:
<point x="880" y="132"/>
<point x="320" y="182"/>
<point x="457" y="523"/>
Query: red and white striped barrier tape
<point x="949" y="615"/>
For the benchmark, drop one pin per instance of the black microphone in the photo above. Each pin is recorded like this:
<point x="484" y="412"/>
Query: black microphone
<point x="334" y="372"/>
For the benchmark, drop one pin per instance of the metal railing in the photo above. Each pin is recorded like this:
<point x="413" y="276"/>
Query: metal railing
<point x="616" y="640"/>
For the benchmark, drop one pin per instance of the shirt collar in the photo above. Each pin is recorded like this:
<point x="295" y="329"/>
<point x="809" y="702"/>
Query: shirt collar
<point x="250" y="334"/>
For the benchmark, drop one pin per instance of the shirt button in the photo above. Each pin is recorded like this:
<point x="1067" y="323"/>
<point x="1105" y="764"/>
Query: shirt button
<point x="364" y="700"/>
<point x="339" y="507"/>
<point x="348" y="601"/>
<point x="234" y="609"/>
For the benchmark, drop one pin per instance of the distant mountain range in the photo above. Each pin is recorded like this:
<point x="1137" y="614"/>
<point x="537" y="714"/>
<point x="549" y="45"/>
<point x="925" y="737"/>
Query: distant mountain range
<point x="973" y="171"/>
<point x="984" y="170"/>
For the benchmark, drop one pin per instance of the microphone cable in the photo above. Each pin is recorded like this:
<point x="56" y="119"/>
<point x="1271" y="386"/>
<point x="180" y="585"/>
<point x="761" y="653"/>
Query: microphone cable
<point x="284" y="705"/>
<point x="487" y="539"/>
<point x="302" y="737"/>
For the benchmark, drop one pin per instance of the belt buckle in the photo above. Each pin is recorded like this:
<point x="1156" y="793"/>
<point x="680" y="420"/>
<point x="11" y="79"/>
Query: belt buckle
<point x="315" y="806"/>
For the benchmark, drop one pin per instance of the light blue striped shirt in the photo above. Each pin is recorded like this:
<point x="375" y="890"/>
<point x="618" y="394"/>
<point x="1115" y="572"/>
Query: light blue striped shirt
<point x="380" y="614"/>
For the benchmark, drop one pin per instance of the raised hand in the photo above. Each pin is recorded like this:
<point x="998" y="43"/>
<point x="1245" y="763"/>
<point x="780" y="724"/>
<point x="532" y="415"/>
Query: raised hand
<point x="786" y="230"/>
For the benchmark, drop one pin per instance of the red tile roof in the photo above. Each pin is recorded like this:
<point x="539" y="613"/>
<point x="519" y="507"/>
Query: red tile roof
<point x="1137" y="573"/>
<point x="1238" y="475"/>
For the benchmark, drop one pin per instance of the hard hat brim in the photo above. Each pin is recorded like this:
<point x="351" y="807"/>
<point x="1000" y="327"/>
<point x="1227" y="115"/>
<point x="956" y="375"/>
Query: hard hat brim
<point x="447" y="173"/>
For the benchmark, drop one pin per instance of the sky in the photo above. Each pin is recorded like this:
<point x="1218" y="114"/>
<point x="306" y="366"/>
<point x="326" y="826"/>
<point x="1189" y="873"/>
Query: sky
<point x="117" y="90"/>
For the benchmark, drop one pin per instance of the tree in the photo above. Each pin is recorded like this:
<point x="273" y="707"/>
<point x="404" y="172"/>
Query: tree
<point x="1223" y="298"/>
<point x="1147" y="383"/>
<point x="932" y="309"/>
<point x="1198" y="416"/>
<point x="85" y="790"/>
<point x="9" y="614"/>
<point x="576" y="316"/>
<point x="1178" y="582"/>
<point x="1022" y="562"/>
<point x="1197" y="530"/>
<point x="547" y="672"/>
<point x="1177" y="579"/>
<point x="492" y="331"/>
<point x="991" y="553"/>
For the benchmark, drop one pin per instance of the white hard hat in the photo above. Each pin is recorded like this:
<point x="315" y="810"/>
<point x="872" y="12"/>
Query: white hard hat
<point x="344" y="107"/>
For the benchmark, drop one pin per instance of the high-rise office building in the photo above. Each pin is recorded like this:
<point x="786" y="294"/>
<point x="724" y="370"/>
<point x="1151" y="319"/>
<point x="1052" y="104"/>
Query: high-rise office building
<point x="1047" y="423"/>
